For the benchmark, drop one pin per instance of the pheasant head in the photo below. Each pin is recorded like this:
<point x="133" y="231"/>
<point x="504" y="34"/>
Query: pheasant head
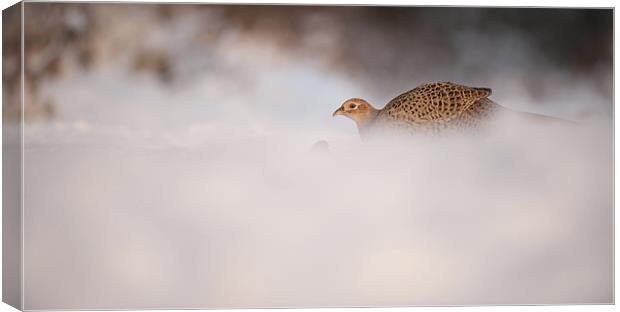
<point x="359" y="110"/>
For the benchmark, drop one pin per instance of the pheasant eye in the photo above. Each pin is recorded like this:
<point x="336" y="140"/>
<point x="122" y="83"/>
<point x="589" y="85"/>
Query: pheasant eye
<point x="352" y="106"/>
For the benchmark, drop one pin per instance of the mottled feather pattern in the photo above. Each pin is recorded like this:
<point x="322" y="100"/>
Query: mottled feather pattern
<point x="432" y="102"/>
<point x="436" y="107"/>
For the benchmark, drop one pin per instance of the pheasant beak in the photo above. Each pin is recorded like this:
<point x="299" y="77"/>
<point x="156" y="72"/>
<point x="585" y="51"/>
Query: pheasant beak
<point x="339" y="111"/>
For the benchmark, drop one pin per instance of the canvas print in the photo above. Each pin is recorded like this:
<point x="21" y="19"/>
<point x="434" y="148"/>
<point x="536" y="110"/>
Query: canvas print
<point x="173" y="156"/>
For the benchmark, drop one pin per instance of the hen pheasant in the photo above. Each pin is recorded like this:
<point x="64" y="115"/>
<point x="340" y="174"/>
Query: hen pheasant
<point x="434" y="107"/>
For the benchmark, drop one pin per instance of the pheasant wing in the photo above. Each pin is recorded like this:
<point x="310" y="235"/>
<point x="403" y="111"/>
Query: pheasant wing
<point x="435" y="102"/>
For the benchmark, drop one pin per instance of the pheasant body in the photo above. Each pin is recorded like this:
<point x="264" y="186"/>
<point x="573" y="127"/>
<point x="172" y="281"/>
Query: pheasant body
<point x="430" y="108"/>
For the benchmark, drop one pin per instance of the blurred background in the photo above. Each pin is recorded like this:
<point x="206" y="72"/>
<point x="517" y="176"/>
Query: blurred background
<point x="167" y="165"/>
<point x="186" y="58"/>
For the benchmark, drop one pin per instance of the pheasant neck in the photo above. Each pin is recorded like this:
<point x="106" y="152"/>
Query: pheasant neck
<point x="365" y="121"/>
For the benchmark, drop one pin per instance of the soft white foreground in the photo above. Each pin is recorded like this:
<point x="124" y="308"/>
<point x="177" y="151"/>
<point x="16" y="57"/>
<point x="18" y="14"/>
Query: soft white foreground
<point x="216" y="216"/>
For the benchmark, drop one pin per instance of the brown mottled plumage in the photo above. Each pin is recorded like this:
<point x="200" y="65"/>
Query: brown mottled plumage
<point x="434" y="107"/>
